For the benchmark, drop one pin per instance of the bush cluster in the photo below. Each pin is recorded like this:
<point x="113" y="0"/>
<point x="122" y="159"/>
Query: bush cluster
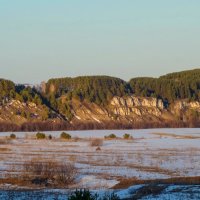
<point x="51" y="172"/>
<point x="127" y="136"/>
<point x="12" y="136"/>
<point x="111" y="136"/>
<point x="66" y="136"/>
<point x="87" y="195"/>
<point x="40" y="135"/>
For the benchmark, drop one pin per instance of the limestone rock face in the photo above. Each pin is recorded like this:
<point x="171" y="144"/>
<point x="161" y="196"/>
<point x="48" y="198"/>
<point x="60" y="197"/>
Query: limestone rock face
<point x="132" y="101"/>
<point x="137" y="105"/>
<point x="184" y="105"/>
<point x="194" y="104"/>
<point x="181" y="105"/>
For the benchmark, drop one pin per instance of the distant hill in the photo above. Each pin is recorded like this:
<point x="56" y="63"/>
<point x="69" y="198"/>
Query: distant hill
<point x="89" y="102"/>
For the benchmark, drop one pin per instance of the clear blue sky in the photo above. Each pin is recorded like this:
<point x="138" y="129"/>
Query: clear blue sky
<point x="40" y="39"/>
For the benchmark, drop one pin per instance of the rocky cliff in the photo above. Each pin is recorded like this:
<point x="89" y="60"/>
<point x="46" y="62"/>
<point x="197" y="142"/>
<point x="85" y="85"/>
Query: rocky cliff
<point x="17" y="112"/>
<point x="138" y="106"/>
<point x="132" y="109"/>
<point x="128" y="109"/>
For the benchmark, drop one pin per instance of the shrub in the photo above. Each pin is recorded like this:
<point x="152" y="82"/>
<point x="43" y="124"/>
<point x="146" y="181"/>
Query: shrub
<point x="111" y="136"/>
<point x="87" y="195"/>
<point x="127" y="136"/>
<point x="40" y="136"/>
<point x="50" y="137"/>
<point x="12" y="136"/>
<point x="83" y="195"/>
<point x="96" y="142"/>
<point x="64" y="135"/>
<point x="98" y="149"/>
<point x="111" y="196"/>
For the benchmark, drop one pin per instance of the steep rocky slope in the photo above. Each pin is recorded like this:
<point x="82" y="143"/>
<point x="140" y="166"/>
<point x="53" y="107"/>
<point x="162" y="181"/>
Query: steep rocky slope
<point x="17" y="112"/>
<point x="120" y="110"/>
<point x="133" y="109"/>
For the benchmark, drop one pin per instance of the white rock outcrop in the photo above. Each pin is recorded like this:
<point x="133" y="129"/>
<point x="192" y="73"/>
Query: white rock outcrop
<point x="137" y="105"/>
<point x="184" y="104"/>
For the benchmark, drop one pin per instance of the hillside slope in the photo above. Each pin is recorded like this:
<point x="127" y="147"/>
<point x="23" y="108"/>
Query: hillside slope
<point x="90" y="102"/>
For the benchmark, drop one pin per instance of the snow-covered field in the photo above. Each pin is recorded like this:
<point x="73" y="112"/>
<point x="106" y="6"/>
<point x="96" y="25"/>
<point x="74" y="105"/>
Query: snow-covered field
<point x="151" y="154"/>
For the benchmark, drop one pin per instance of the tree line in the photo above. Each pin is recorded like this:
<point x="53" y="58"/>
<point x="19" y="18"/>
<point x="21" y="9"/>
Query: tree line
<point x="101" y="89"/>
<point x="171" y="87"/>
<point x="8" y="91"/>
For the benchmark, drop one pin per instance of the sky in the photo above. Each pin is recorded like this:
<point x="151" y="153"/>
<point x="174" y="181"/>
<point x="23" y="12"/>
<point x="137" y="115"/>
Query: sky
<point x="42" y="39"/>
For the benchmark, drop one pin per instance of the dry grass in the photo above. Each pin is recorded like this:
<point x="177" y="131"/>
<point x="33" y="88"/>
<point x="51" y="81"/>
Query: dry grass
<point x="5" y="140"/>
<point x="96" y="142"/>
<point x="35" y="173"/>
<point x="176" y="136"/>
<point x="76" y="139"/>
<point x="14" y="181"/>
<point x="72" y="158"/>
<point x="125" y="183"/>
<point x="151" y="189"/>
<point x="4" y="149"/>
<point x="49" y="172"/>
<point x="29" y="136"/>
